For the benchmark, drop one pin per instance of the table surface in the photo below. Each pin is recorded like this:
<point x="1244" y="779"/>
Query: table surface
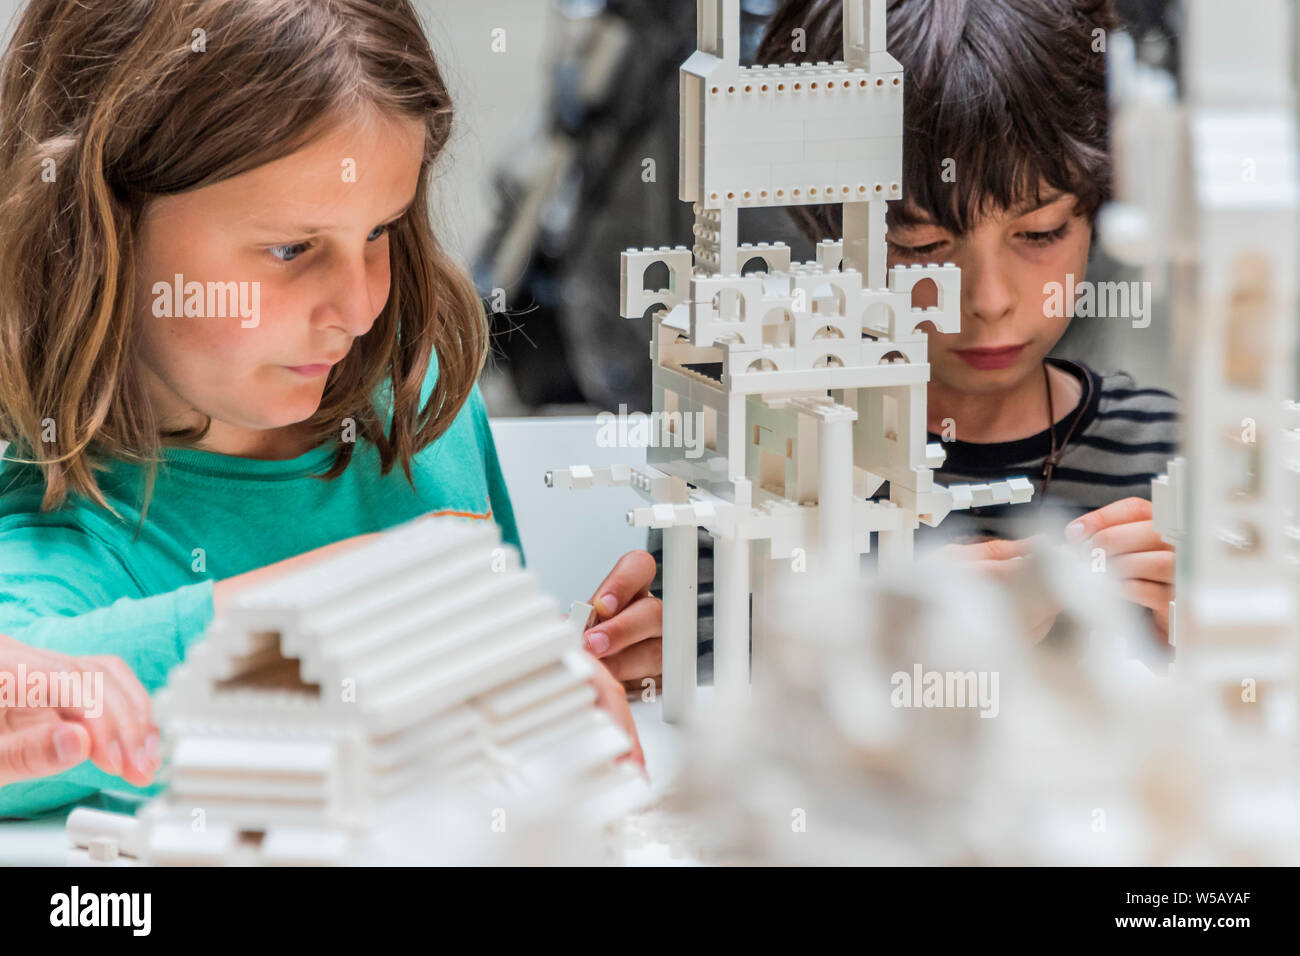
<point x="42" y="842"/>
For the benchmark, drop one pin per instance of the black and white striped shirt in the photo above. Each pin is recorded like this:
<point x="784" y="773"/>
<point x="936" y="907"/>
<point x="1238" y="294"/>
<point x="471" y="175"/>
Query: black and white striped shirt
<point x="1125" y="436"/>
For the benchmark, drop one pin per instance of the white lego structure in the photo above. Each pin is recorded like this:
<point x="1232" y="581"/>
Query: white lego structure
<point x="330" y="715"/>
<point x="1227" y="217"/>
<point x="847" y="754"/>
<point x="1089" y="760"/>
<point x="810" y="378"/>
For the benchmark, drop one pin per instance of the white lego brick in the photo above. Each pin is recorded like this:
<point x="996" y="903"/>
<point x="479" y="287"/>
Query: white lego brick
<point x="634" y="299"/>
<point x="511" y="698"/>
<point x="1021" y="488"/>
<point x="304" y="846"/>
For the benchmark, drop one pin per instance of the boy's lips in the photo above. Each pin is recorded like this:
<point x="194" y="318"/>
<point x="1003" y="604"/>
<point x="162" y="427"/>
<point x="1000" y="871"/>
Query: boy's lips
<point x="990" y="358"/>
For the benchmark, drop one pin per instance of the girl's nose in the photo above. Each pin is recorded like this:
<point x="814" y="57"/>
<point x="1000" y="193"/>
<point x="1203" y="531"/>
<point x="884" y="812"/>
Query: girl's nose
<point x="354" y="302"/>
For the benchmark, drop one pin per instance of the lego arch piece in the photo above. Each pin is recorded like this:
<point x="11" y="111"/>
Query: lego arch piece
<point x="927" y="294"/>
<point x="656" y="275"/>
<point x="878" y="317"/>
<point x="778" y="327"/>
<point x="635" y="298"/>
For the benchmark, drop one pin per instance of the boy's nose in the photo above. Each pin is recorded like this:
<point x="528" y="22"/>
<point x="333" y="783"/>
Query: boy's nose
<point x="987" y="292"/>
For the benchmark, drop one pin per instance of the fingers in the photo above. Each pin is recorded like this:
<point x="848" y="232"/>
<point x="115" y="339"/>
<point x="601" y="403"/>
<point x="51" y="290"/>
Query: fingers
<point x="1036" y="630"/>
<point x="643" y="659"/>
<point x="640" y="620"/>
<point x="99" y="700"/>
<point x="629" y="579"/>
<point x="611" y="697"/>
<point x="124" y="740"/>
<point x="994" y="549"/>
<point x="1153" y="566"/>
<point x="47" y="748"/>
<point x="1133" y="536"/>
<point x="1117" y="512"/>
<point x="1148" y="594"/>
<point x="638" y="686"/>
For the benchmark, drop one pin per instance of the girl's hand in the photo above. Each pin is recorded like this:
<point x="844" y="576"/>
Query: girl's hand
<point x="625" y="630"/>
<point x="112" y="726"/>
<point x="611" y="696"/>
<point x="1136" y="554"/>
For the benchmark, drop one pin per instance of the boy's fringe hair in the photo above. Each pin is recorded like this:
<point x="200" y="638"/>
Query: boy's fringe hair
<point x="1012" y="91"/>
<point x="105" y="104"/>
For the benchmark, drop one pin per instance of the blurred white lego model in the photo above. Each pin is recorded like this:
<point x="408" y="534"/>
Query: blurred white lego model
<point x="352" y="711"/>
<point x="1213" y="189"/>
<point x="809" y="379"/>
<point x="906" y="730"/>
<point x="866" y="740"/>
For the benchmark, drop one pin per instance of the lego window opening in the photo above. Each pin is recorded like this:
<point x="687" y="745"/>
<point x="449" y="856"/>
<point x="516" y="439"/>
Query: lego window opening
<point x="771" y="472"/>
<point x="778" y="328"/>
<point x="267" y="667"/>
<point x="877" y="319"/>
<point x="925" y="295"/>
<point x="657" y="278"/>
<point x="755" y="265"/>
<point x="729" y="306"/>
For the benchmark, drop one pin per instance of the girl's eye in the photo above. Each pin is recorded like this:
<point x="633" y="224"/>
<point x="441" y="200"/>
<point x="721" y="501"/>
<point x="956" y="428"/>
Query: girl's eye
<point x="1046" y="238"/>
<point x="289" y="253"/>
<point x="916" y="251"/>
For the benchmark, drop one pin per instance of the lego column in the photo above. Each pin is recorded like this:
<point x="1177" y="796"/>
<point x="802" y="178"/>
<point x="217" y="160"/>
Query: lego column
<point x="837" y="556"/>
<point x="730" y="616"/>
<point x="681" y="551"/>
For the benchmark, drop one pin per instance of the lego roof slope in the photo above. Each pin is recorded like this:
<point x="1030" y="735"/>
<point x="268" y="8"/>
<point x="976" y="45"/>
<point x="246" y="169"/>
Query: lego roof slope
<point x="387" y="635"/>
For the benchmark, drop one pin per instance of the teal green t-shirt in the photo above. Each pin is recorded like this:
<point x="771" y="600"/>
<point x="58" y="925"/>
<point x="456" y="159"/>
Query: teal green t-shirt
<point x="80" y="581"/>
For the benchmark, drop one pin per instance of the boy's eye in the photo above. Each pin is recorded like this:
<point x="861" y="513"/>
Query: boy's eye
<point x="916" y="251"/>
<point x="291" y="252"/>
<point x="1048" y="237"/>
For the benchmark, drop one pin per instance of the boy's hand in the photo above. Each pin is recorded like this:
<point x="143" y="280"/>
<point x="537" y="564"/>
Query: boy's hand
<point x="1135" y="553"/>
<point x="998" y="559"/>
<point x="625" y="630"/>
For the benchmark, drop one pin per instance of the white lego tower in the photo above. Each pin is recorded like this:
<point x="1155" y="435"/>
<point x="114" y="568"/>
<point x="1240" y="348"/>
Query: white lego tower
<point x="1230" y="225"/>
<point x="809" y="381"/>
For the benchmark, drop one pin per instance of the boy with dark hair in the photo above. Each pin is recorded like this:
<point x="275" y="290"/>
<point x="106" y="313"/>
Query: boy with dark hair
<point x="1005" y="166"/>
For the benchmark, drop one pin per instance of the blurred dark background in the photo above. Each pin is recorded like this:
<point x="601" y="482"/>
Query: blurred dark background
<point x="597" y="174"/>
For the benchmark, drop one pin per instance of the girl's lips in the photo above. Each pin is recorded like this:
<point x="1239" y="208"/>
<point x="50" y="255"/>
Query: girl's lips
<point x="991" y="358"/>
